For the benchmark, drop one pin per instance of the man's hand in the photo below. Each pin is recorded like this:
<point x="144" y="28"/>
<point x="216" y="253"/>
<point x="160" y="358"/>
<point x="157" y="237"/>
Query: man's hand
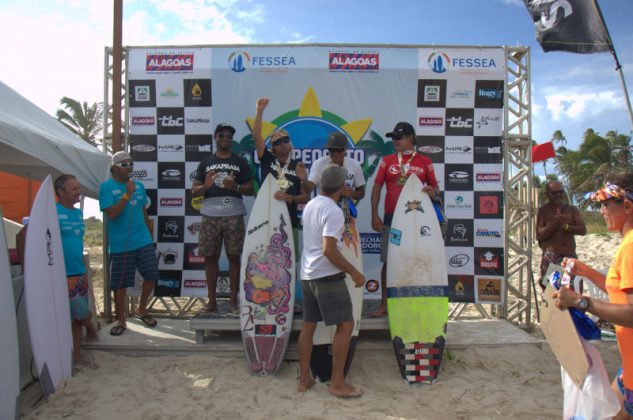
<point x="229" y="182"/>
<point x="358" y="278"/>
<point x="282" y="196"/>
<point x="565" y="298"/>
<point x="301" y="171"/>
<point x="376" y="223"/>
<point x="130" y="187"/>
<point x="209" y="179"/>
<point x="346" y="191"/>
<point x="261" y="104"/>
<point x="429" y="190"/>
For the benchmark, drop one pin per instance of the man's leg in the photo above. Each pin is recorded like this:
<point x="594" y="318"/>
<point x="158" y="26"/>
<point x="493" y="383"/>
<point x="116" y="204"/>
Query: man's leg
<point x="382" y="307"/>
<point x="211" y="273"/>
<point x="119" y="306"/>
<point x="76" y="330"/>
<point x="234" y="277"/>
<point x="305" y="354"/>
<point x="340" y="347"/>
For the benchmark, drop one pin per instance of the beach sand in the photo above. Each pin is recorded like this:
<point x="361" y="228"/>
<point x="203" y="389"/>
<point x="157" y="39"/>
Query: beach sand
<point x="519" y="382"/>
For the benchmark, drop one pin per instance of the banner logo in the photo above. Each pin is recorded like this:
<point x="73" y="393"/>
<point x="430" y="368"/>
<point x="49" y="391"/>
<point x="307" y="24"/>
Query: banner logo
<point x="155" y="63"/>
<point x="438" y="62"/>
<point x="343" y="61"/>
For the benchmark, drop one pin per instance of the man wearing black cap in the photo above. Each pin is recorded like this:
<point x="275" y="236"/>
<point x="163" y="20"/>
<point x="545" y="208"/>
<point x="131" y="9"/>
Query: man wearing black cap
<point x="393" y="173"/>
<point x="354" y="184"/>
<point x="222" y="179"/>
<point x="325" y="294"/>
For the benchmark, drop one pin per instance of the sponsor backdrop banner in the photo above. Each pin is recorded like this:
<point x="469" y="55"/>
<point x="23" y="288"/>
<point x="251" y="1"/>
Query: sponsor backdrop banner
<point x="453" y="96"/>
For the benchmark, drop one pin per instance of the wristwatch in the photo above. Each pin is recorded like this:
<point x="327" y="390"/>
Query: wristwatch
<point x="583" y="303"/>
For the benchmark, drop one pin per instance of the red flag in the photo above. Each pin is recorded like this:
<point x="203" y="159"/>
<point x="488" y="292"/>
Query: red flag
<point x="543" y="151"/>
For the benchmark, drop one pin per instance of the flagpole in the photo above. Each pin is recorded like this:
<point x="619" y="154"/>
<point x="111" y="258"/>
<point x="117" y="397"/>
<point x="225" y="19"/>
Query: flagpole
<point x="618" y="66"/>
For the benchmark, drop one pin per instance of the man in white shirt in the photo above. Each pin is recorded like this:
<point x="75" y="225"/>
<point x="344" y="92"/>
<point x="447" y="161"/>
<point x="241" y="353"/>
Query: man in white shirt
<point x="336" y="145"/>
<point x="325" y="295"/>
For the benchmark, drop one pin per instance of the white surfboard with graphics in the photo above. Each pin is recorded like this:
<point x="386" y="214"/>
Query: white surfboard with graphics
<point x="46" y="293"/>
<point x="417" y="285"/>
<point x="9" y="356"/>
<point x="267" y="282"/>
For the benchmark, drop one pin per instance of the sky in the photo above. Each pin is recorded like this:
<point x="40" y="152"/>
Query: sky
<point x="55" y="48"/>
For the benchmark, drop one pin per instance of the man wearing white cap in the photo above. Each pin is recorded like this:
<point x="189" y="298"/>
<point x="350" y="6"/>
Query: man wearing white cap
<point x="130" y="241"/>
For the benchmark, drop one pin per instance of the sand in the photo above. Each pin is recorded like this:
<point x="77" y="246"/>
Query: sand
<point x="518" y="382"/>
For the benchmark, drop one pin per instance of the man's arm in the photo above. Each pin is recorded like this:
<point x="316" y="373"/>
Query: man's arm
<point x="199" y="188"/>
<point x="543" y="230"/>
<point x="116" y="209"/>
<point x="260" y="146"/>
<point x="332" y="253"/>
<point x="376" y="222"/>
<point x="577" y="225"/>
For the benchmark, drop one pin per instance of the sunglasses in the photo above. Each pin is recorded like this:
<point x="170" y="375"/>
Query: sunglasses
<point x="225" y="136"/>
<point x="281" y="140"/>
<point x="335" y="150"/>
<point x="125" y="164"/>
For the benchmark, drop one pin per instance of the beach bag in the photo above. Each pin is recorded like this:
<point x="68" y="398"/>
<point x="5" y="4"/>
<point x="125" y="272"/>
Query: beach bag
<point x="596" y="400"/>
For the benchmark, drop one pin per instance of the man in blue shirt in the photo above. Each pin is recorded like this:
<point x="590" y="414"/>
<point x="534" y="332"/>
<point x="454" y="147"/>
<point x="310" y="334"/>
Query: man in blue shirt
<point x="131" y="245"/>
<point x="71" y="226"/>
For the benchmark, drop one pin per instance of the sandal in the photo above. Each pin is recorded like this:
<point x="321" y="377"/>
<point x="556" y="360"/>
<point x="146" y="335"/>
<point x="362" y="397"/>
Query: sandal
<point x="117" y="330"/>
<point x="147" y="319"/>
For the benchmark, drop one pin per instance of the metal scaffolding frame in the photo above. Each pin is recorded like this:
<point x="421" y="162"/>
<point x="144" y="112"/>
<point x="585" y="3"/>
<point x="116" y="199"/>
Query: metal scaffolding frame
<point x="518" y="197"/>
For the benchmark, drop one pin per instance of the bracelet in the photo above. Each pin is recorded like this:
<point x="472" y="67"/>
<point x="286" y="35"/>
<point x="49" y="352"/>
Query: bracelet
<point x="126" y="196"/>
<point x="566" y="226"/>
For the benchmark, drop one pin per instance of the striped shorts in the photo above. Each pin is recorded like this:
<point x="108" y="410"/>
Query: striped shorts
<point x="123" y="266"/>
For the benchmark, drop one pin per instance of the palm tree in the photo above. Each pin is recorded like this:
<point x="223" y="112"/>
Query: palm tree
<point x="375" y="146"/>
<point x="80" y="118"/>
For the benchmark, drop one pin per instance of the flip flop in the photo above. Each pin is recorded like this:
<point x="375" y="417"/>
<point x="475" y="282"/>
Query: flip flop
<point x="117" y="330"/>
<point x="147" y="319"/>
<point x="356" y="393"/>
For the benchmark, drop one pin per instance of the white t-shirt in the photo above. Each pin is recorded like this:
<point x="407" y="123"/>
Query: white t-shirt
<point x="355" y="177"/>
<point x="321" y="217"/>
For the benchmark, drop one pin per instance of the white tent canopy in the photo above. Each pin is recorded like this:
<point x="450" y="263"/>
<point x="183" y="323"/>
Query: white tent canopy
<point x="34" y="144"/>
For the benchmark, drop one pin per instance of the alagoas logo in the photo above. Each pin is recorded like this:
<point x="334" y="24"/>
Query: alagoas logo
<point x="488" y="177"/>
<point x="171" y="202"/>
<point x="142" y="120"/>
<point x="155" y="63"/>
<point x="351" y="61"/>
<point x="430" y="121"/>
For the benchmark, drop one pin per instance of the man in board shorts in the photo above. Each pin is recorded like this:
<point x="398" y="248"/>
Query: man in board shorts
<point x="71" y="226"/>
<point x="222" y="179"/>
<point x="131" y="245"/>
<point x="325" y="294"/>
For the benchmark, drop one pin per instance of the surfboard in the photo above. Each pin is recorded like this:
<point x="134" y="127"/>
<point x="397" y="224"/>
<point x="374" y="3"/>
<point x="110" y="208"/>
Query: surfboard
<point x="321" y="360"/>
<point x="9" y="353"/>
<point x="267" y="282"/>
<point x="46" y="293"/>
<point x="417" y="285"/>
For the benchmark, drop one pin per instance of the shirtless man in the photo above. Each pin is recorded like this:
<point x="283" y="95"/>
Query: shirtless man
<point x="557" y="223"/>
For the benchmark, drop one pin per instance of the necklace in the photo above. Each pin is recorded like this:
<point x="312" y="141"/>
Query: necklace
<point x="282" y="181"/>
<point x="404" y="168"/>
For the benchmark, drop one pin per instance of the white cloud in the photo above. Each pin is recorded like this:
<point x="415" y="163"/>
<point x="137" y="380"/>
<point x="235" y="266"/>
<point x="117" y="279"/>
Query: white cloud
<point x="578" y="106"/>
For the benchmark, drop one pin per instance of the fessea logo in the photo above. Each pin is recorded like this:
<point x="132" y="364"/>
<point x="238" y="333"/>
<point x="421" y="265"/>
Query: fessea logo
<point x="240" y="61"/>
<point x="352" y="61"/>
<point x="440" y="62"/>
<point x="159" y="63"/>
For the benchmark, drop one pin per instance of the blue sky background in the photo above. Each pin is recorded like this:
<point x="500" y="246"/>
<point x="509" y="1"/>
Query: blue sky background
<point x="55" y="48"/>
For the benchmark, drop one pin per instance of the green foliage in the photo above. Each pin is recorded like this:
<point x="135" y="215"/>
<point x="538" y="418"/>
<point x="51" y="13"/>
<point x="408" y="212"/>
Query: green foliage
<point x="584" y="170"/>
<point x="86" y="121"/>
<point x="595" y="223"/>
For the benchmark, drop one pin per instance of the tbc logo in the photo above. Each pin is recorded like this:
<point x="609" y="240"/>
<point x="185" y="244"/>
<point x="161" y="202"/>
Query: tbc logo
<point x="238" y="61"/>
<point x="438" y="62"/>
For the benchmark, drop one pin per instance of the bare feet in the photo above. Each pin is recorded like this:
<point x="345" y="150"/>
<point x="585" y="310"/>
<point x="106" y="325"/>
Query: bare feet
<point x="91" y="333"/>
<point x="380" y="312"/>
<point x="345" y="391"/>
<point x="303" y="386"/>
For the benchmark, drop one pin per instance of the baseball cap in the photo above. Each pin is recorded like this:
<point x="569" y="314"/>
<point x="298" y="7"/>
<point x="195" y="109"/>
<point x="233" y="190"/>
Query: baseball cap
<point x="336" y="140"/>
<point x="119" y="157"/>
<point x="333" y="176"/>
<point x="224" y="126"/>
<point x="278" y="134"/>
<point x="402" y="129"/>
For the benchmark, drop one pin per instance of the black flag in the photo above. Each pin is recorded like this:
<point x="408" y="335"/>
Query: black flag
<point x="569" y="25"/>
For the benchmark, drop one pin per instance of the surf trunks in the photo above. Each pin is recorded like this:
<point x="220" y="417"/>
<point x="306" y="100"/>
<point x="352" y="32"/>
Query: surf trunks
<point x="327" y="299"/>
<point x="550" y="257"/>
<point x="78" y="295"/>
<point x="384" y="243"/>
<point x="123" y="267"/>
<point x="627" y="394"/>
<point x="227" y="229"/>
